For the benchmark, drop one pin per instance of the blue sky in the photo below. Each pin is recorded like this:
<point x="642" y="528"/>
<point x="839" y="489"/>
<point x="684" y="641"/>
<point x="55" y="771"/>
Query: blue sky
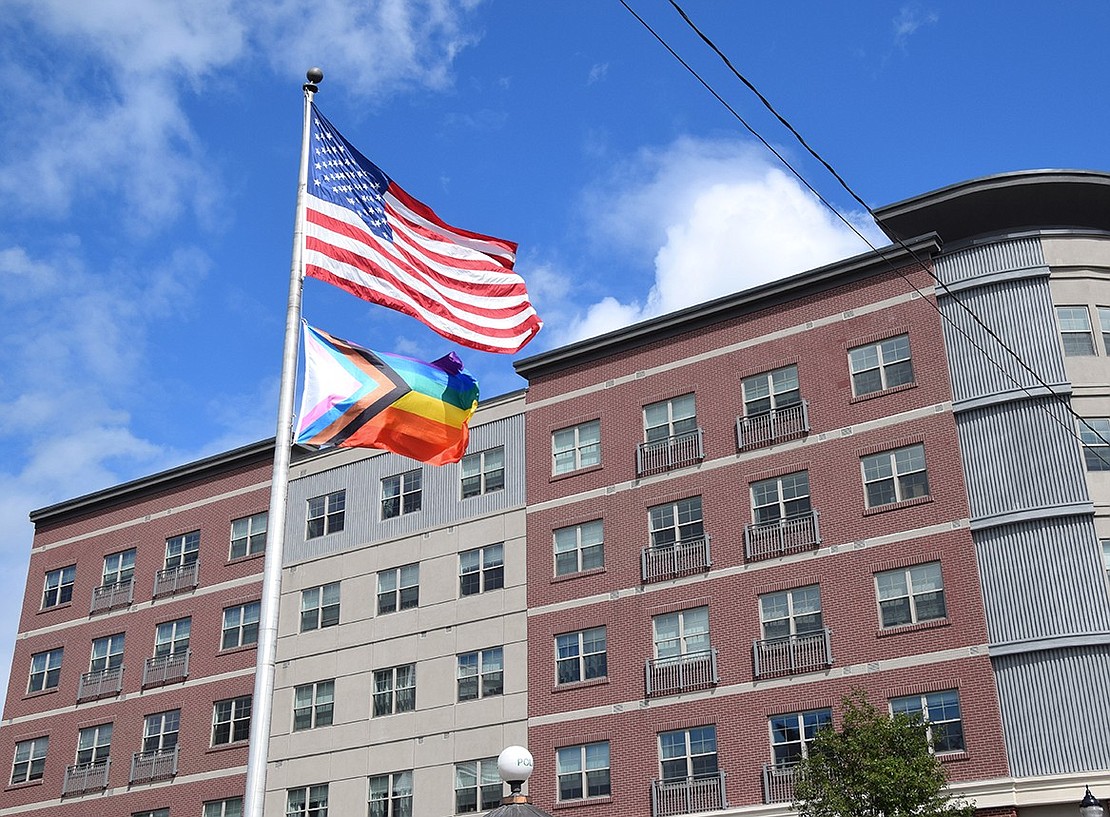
<point x="149" y="159"/>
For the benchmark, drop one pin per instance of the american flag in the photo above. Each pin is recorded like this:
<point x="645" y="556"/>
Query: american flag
<point x="366" y="235"/>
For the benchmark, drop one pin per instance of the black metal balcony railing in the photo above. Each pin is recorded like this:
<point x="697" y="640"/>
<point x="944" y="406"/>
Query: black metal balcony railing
<point x="100" y="684"/>
<point x="793" y="534"/>
<point x="675" y="559"/>
<point x="772" y="426"/>
<point x="110" y="596"/>
<point x="175" y="579"/>
<point x="688" y="796"/>
<point x="792" y="655"/>
<point x="165" y="669"/>
<point x="85" y="777"/>
<point x="681" y="673"/>
<point x="673" y="452"/>
<point x="156" y="765"/>
<point x="778" y="783"/>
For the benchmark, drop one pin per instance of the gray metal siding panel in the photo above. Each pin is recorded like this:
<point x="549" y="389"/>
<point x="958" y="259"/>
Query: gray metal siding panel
<point x="987" y="259"/>
<point x="441" y="504"/>
<point x="1055" y="710"/>
<point x="1028" y="570"/>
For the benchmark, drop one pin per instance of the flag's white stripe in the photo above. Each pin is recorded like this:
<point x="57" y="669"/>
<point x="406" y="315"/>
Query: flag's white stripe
<point x="484" y="246"/>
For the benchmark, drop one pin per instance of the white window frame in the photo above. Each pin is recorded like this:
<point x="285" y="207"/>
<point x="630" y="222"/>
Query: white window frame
<point x="482" y="472"/>
<point x="234" y="716"/>
<point x="395" y="686"/>
<point x="1094" y="435"/>
<point x="317" y="700"/>
<point x="390" y="795"/>
<point x="682" y="633"/>
<point x="480" y="780"/>
<point x="241" y="622"/>
<point x="161" y="731"/>
<point x="325" y="514"/>
<point x="587" y="765"/>
<point x="935" y="711"/>
<point x="580" y="650"/>
<point x="220" y="808"/>
<point x="94" y="745"/>
<point x="480" y="670"/>
<point x="782" y="497"/>
<point x="107" y="652"/>
<point x="57" y="587"/>
<point x="1076" y="338"/>
<point x="771" y="391"/>
<point x="482" y="569"/>
<point x="307" y="801"/>
<point x="119" y="568"/>
<point x="692" y="748"/>
<point x="172" y="637"/>
<point x="579" y="547"/>
<point x="905" y="468"/>
<point x="911" y="584"/>
<point x="885" y="364"/>
<point x="402" y="494"/>
<point x="398" y="589"/>
<point x="791" y="612"/>
<point x="667" y="419"/>
<point x="248" y="535"/>
<point x="46" y="670"/>
<point x="29" y="760"/>
<point x="320" y="607"/>
<point x="183" y="549"/>
<point x="576" y="447"/>
<point x="676" y="522"/>
<point x="805" y="725"/>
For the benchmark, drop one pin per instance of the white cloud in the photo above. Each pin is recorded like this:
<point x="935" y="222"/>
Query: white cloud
<point x="909" y="20"/>
<point x="715" y="218"/>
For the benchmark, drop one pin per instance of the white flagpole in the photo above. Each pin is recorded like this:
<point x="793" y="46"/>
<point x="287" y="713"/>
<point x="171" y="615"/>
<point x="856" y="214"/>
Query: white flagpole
<point x="262" y="703"/>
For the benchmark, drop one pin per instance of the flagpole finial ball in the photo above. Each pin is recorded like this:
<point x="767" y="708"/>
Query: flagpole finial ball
<point x="315" y="75"/>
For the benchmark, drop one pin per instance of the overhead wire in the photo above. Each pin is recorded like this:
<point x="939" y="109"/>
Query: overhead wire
<point x="1049" y="391"/>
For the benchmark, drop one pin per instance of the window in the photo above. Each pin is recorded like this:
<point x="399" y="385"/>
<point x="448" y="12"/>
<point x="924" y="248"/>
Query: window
<point x="320" y="607"/>
<point x="483" y="472"/>
<point x="394" y="690"/>
<point x="119" y="568"/>
<point x="910" y="595"/>
<point x="391" y="795"/>
<point x="576" y="447"/>
<point x="682" y="633"/>
<point x="941" y="713"/>
<point x="398" y="588"/>
<point x="248" y="535"/>
<point x="1094" y="434"/>
<point x="791" y="612"/>
<point x="182" y="550"/>
<point x="895" y="476"/>
<point x="94" y="744"/>
<point x="158" y="812"/>
<point x="477" y="785"/>
<point x="231" y="720"/>
<point x="580" y="656"/>
<point x="107" y="653"/>
<point x="1104" y="326"/>
<point x="782" y="497"/>
<point x="481" y="569"/>
<point x="583" y="771"/>
<point x="59" y="587"/>
<point x="481" y="674"/>
<point x="1075" y="330"/>
<point x="579" y="547"/>
<point x="670" y="418"/>
<point x="313" y="705"/>
<point x="309" y="801"/>
<point x="240" y="625"/>
<point x="678" y="522"/>
<point x="325" y="514"/>
<point x="880" y="366"/>
<point x="402" y="494"/>
<point x="791" y="734"/>
<point x="160" y="731"/>
<point x="46" y="669"/>
<point x="30" y="760"/>
<point x="232" y="807"/>
<point x="1106" y="555"/>
<point x="771" y="390"/>
<point x="172" y="637"/>
<point x="688" y="753"/>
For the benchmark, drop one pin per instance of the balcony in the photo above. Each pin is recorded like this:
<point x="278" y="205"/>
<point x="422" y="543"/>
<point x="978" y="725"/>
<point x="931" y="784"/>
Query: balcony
<point x="778" y="783"/>
<point x="676" y="559"/>
<point x="165" y="669"/>
<point x="157" y="765"/>
<point x="673" y="452"/>
<point x="681" y="673"/>
<point x="774" y="426"/>
<point x="793" y="655"/>
<point x="85" y="777"/>
<point x="793" y="534"/>
<point x="110" y="596"/>
<point x="100" y="684"/>
<point x="689" y="796"/>
<point x="175" y="579"/>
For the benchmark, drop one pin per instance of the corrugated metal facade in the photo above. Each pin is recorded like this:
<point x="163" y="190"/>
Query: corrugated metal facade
<point x="1031" y="515"/>
<point x="441" y="502"/>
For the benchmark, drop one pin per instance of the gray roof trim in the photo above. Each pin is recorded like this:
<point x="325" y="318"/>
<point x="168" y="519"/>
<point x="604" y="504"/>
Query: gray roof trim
<point x="133" y="490"/>
<point x="735" y="305"/>
<point x="1003" y="203"/>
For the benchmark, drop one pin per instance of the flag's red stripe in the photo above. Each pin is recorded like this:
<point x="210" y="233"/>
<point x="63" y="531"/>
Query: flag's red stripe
<point x="411" y="435"/>
<point x="423" y="210"/>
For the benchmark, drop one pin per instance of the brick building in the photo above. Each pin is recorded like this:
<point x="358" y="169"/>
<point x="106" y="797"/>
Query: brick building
<point x="661" y="568"/>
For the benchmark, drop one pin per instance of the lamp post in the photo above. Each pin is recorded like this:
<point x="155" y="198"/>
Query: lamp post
<point x="1089" y="806"/>
<point x="514" y="764"/>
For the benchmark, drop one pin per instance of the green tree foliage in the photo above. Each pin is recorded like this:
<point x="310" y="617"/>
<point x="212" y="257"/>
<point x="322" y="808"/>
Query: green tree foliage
<point x="875" y="766"/>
